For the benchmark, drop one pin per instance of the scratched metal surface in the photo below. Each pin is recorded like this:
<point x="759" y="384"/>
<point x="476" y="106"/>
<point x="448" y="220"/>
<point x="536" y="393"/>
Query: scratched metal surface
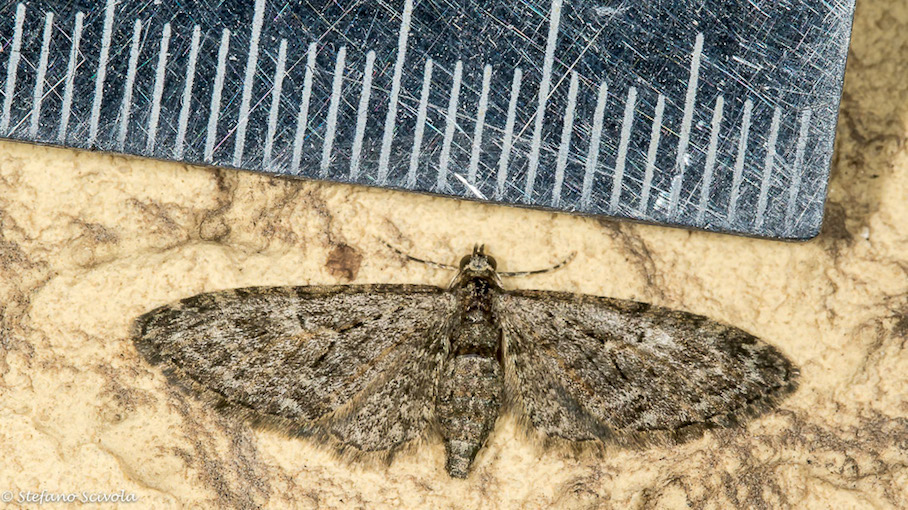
<point x="711" y="114"/>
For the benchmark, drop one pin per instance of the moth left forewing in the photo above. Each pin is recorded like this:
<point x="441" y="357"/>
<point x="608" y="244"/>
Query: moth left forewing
<point x="585" y="367"/>
<point x="396" y="404"/>
<point x="355" y="365"/>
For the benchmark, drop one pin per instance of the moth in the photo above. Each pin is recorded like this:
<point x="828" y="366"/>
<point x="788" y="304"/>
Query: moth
<point x="371" y="368"/>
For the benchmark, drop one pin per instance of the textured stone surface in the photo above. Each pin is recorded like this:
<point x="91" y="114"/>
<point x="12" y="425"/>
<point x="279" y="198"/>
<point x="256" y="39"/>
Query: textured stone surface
<point x="89" y="241"/>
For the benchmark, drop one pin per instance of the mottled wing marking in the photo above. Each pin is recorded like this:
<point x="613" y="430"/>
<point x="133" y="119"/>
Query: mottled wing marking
<point x="585" y="367"/>
<point x="358" y="363"/>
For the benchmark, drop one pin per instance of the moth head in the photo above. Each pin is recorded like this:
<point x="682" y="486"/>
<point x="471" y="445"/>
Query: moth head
<point x="478" y="261"/>
<point x="478" y="265"/>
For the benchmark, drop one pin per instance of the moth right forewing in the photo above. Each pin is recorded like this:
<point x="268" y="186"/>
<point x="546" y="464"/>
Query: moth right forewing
<point x="632" y="370"/>
<point x="533" y="391"/>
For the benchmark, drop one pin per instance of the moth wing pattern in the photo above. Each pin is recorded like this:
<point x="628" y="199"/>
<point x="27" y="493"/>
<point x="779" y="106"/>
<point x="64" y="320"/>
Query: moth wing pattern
<point x="357" y="364"/>
<point x="584" y="368"/>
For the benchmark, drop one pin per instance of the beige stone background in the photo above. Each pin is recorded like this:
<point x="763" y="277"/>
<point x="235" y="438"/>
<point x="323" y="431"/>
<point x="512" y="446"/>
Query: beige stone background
<point x="90" y="241"/>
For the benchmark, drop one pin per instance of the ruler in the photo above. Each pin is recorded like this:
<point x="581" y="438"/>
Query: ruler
<point x="708" y="114"/>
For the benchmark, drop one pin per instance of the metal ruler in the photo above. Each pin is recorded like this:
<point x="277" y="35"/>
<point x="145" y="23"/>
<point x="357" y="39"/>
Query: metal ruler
<point x="710" y="114"/>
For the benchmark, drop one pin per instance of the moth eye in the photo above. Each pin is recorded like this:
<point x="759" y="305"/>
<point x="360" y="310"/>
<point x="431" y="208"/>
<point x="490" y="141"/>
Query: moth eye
<point x="492" y="263"/>
<point x="464" y="261"/>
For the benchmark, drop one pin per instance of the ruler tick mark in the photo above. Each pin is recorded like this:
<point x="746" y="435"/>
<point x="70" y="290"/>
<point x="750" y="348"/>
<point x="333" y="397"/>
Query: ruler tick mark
<point x="686" y="122"/>
<point x="768" y="166"/>
<point x="592" y="158"/>
<point x="158" y="91"/>
<point x="302" y="118"/>
<point x="566" y="131"/>
<point x="507" y="142"/>
<point x="420" y="124"/>
<point x="391" y="118"/>
<point x="126" y="104"/>
<point x="710" y="159"/>
<point x="279" y="73"/>
<point x="38" y="93"/>
<point x="185" y="107"/>
<point x="337" y="86"/>
<point x="623" y="147"/>
<point x="654" y="137"/>
<point x="70" y="78"/>
<point x="450" y="127"/>
<point x="738" y="176"/>
<point x="101" y="75"/>
<point x="544" y="88"/>
<point x="215" y="110"/>
<point x="248" y="81"/>
<point x="797" y="171"/>
<point x="480" y="124"/>
<point x="362" y="114"/>
<point x="12" y="68"/>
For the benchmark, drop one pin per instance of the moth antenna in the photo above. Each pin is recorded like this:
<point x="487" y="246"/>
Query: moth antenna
<point x="556" y="267"/>
<point x="430" y="263"/>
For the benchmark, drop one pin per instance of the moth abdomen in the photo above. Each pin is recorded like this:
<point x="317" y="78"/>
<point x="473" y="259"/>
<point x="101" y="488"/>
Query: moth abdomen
<point x="470" y="393"/>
